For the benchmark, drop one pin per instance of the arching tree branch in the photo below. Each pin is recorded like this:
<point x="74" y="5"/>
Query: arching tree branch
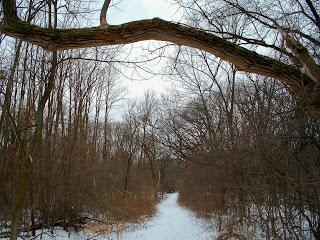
<point x="299" y="83"/>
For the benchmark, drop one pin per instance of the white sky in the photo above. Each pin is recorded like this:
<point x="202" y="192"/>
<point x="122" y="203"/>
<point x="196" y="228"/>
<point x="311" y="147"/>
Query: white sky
<point x="130" y="10"/>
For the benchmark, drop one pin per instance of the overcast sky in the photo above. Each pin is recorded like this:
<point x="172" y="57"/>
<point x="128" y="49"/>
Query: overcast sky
<point x="130" y="10"/>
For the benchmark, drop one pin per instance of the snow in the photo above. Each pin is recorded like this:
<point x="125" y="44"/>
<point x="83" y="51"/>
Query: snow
<point x="171" y="222"/>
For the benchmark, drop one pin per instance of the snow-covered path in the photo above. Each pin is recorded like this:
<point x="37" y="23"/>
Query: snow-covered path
<point x="172" y="222"/>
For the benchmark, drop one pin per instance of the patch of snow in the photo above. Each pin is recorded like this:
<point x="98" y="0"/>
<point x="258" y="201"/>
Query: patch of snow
<point x="171" y="222"/>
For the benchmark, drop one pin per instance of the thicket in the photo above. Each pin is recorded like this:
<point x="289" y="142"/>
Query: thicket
<point x="251" y="149"/>
<point x="251" y="152"/>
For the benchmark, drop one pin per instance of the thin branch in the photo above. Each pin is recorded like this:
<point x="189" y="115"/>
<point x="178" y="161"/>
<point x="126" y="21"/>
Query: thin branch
<point x="314" y="12"/>
<point x="103" y="14"/>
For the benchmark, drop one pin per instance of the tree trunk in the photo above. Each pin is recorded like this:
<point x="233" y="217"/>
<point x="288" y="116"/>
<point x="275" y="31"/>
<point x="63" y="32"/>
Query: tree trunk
<point x="26" y="159"/>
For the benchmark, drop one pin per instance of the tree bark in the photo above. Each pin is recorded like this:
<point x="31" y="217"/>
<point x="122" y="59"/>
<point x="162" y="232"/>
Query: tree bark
<point x="103" y="14"/>
<point x="9" y="10"/>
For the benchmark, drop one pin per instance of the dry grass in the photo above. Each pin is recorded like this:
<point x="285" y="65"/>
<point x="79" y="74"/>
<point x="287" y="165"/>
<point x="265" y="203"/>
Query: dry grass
<point x="131" y="207"/>
<point x="122" y="210"/>
<point x="229" y="236"/>
<point x="105" y="228"/>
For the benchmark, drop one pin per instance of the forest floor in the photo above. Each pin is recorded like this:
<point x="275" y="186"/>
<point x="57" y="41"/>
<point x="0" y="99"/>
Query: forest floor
<point x="171" y="222"/>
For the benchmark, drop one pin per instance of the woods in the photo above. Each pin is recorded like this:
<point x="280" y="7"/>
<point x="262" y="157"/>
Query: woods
<point x="260" y="169"/>
<point x="237" y="135"/>
<point x="78" y="159"/>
